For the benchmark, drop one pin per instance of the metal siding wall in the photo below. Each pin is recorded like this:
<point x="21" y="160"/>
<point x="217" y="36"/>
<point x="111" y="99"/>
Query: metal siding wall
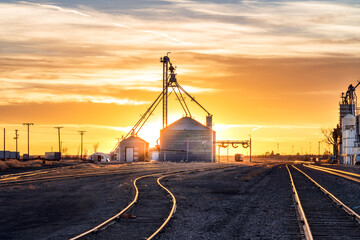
<point x="138" y="146"/>
<point x="200" y="145"/>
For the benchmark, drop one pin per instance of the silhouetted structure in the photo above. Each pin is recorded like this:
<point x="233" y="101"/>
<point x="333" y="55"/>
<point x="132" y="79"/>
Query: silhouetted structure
<point x="187" y="140"/>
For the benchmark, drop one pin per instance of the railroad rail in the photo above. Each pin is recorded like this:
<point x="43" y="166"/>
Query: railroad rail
<point x="112" y="219"/>
<point x="173" y="208"/>
<point x="325" y="219"/>
<point x="136" y="201"/>
<point x="344" y="174"/>
<point x="305" y="223"/>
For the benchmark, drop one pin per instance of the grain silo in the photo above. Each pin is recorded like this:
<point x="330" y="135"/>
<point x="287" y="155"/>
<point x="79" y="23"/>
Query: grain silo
<point x="133" y="149"/>
<point x="188" y="140"/>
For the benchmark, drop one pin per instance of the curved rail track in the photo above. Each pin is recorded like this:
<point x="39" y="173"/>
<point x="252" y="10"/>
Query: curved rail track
<point x="326" y="216"/>
<point x="147" y="210"/>
<point x="115" y="217"/>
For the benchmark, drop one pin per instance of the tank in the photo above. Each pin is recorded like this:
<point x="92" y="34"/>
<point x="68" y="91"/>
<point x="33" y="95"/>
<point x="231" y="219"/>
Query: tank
<point x="187" y="140"/>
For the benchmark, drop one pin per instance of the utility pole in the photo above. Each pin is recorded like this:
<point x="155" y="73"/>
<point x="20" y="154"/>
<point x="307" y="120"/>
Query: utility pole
<point x="4" y="146"/>
<point x="16" y="142"/>
<point x="82" y="134"/>
<point x="227" y="153"/>
<point x="58" y="128"/>
<point x="28" y="129"/>
<point x="250" y="148"/>
<point x="319" y="149"/>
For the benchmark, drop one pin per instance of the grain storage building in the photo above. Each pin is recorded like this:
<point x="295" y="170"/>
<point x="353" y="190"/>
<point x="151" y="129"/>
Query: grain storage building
<point x="187" y="140"/>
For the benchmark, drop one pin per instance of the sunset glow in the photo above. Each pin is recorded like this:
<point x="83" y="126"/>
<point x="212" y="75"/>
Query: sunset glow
<point x="272" y="70"/>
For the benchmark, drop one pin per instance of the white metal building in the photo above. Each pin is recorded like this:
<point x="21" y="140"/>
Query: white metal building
<point x="99" y="157"/>
<point x="349" y="149"/>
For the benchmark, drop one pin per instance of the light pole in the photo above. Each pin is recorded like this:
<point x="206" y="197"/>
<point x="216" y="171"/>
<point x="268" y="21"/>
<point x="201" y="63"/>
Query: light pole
<point x="58" y="128"/>
<point x="16" y="142"/>
<point x="250" y="148"/>
<point x="82" y="134"/>
<point x="4" y="146"/>
<point x="28" y="130"/>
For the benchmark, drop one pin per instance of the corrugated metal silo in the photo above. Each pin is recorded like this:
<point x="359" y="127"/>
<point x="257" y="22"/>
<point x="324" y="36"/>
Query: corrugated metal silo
<point x="187" y="140"/>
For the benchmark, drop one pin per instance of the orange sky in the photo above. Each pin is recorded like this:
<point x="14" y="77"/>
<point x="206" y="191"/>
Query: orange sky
<point x="96" y="68"/>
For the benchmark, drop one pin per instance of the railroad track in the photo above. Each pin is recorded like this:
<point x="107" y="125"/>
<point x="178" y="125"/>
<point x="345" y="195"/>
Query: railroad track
<point x="145" y="216"/>
<point x="323" y="216"/>
<point x="344" y="174"/>
<point x="58" y="174"/>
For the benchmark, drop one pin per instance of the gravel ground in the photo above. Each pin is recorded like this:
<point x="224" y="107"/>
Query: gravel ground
<point x="240" y="202"/>
<point x="349" y="168"/>
<point x="53" y="210"/>
<point x="345" y="190"/>
<point x="243" y="203"/>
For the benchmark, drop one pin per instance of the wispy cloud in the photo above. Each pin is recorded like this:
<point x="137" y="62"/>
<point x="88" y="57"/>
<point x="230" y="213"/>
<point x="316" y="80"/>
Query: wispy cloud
<point x="10" y="97"/>
<point x="55" y="8"/>
<point x="79" y="48"/>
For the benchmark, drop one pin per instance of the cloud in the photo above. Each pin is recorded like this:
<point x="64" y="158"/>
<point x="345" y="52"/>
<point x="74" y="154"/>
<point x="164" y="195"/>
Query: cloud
<point x="55" y="8"/>
<point x="78" y="50"/>
<point x="10" y="97"/>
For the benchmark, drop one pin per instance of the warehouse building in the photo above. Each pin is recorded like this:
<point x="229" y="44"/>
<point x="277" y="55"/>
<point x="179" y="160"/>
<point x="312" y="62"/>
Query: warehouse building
<point x="188" y="140"/>
<point x="132" y="149"/>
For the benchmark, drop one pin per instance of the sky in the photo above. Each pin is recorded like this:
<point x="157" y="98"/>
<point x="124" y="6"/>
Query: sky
<point x="270" y="69"/>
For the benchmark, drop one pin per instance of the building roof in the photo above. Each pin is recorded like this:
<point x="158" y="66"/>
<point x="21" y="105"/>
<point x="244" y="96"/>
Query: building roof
<point x="134" y="139"/>
<point x="100" y="153"/>
<point x="349" y="116"/>
<point x="186" y="123"/>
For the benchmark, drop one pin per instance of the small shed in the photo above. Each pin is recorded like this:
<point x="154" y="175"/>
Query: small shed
<point x="133" y="149"/>
<point x="187" y="140"/>
<point x="99" y="157"/>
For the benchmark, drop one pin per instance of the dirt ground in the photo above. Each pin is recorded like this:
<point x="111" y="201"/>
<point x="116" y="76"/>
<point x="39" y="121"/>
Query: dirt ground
<point x="240" y="201"/>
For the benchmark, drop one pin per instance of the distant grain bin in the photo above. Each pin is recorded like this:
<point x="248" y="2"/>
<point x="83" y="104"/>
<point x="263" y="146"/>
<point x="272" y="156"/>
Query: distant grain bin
<point x="188" y="140"/>
<point x="132" y="149"/>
